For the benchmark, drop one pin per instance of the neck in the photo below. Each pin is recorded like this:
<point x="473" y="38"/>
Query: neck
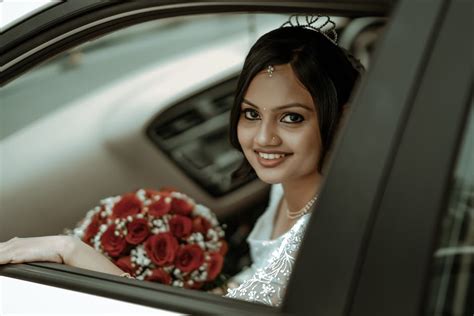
<point x="299" y="192"/>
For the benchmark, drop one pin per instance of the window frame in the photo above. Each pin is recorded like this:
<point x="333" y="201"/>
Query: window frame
<point x="44" y="32"/>
<point x="133" y="291"/>
<point x="375" y="203"/>
<point x="405" y="234"/>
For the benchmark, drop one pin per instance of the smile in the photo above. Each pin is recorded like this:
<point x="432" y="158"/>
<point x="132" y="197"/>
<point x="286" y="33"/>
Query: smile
<point x="271" y="156"/>
<point x="270" y="160"/>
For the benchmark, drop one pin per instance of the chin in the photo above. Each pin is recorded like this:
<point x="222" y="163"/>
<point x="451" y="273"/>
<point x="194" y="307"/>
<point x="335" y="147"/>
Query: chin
<point x="269" y="178"/>
<point x="270" y="181"/>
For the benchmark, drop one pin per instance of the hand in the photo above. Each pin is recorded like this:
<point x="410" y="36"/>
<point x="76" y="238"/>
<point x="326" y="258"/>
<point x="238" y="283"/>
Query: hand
<point x="20" y="250"/>
<point x="60" y="249"/>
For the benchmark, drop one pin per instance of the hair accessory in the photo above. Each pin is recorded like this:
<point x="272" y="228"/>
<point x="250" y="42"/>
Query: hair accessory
<point x="319" y="23"/>
<point x="302" y="211"/>
<point x="270" y="70"/>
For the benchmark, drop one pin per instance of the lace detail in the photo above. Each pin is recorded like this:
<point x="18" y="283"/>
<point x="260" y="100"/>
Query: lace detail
<point x="268" y="284"/>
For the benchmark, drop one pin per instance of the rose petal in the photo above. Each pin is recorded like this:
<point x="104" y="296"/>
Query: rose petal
<point x="181" y="207"/>
<point x="189" y="257"/>
<point x="160" y="207"/>
<point x="129" y="204"/>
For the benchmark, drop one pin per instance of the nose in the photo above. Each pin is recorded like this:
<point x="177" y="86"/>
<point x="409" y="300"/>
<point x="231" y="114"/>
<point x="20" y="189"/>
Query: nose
<point x="267" y="134"/>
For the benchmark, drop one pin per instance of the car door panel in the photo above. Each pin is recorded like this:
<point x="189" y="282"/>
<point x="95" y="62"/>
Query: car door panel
<point x="400" y="249"/>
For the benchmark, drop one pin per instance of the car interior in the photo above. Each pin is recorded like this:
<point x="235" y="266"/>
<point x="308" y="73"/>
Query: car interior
<point x="163" y="125"/>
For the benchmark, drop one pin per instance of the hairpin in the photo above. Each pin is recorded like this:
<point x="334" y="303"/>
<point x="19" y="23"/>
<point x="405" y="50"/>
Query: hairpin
<point x="270" y="70"/>
<point x="327" y="27"/>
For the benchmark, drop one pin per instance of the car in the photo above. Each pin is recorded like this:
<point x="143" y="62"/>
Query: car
<point x="391" y="233"/>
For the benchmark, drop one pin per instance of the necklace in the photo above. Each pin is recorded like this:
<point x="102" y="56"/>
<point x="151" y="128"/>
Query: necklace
<point x="302" y="211"/>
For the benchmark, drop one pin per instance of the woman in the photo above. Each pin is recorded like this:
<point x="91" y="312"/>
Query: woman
<point x="290" y="97"/>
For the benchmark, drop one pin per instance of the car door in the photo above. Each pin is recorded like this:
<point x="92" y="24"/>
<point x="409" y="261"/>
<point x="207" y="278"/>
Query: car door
<point x="335" y="273"/>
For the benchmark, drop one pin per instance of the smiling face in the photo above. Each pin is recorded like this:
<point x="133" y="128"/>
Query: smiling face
<point x="278" y="128"/>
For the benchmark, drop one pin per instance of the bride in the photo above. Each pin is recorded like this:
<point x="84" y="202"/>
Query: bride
<point x="290" y="97"/>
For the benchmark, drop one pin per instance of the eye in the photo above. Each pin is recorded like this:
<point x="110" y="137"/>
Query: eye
<point x="251" y="114"/>
<point x="292" y="118"/>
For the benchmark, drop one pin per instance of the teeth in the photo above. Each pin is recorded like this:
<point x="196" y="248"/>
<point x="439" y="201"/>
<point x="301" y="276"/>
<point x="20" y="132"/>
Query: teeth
<point x="271" y="156"/>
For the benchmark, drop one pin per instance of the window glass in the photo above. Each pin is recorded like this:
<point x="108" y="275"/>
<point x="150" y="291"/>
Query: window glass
<point x="59" y="98"/>
<point x="452" y="282"/>
<point x="79" y="119"/>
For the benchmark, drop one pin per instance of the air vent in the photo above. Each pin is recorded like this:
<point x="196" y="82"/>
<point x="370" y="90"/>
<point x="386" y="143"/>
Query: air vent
<point x="194" y="135"/>
<point x="223" y="103"/>
<point x="182" y="123"/>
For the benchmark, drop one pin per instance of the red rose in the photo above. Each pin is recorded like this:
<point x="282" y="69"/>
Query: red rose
<point x="113" y="245"/>
<point x="161" y="248"/>
<point x="201" y="225"/>
<point x="129" y="204"/>
<point x="138" y="231"/>
<point x="92" y="229"/>
<point x="189" y="257"/>
<point x="215" y="266"/>
<point x="181" y="207"/>
<point x="125" y="264"/>
<point x="160" y="207"/>
<point x="160" y="276"/>
<point x="180" y="226"/>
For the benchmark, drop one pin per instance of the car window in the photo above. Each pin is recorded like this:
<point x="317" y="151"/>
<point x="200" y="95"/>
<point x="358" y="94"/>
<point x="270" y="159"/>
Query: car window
<point x="125" y="111"/>
<point x="180" y="110"/>
<point x="452" y="277"/>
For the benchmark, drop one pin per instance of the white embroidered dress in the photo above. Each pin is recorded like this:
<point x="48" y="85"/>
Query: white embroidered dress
<point x="273" y="259"/>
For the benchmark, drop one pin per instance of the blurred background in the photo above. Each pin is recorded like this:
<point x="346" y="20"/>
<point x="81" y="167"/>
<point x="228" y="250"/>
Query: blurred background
<point x="96" y="64"/>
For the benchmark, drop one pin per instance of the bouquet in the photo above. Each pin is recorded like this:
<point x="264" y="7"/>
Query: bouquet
<point x="160" y="236"/>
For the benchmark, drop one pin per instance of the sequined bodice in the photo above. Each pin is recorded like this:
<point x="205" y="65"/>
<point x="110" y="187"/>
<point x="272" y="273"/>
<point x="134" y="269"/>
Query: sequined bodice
<point x="265" y="281"/>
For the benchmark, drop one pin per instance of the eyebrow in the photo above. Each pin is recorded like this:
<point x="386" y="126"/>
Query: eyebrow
<point x="282" y="107"/>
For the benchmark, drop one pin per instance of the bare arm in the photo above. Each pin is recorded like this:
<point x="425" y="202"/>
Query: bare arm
<point x="60" y="249"/>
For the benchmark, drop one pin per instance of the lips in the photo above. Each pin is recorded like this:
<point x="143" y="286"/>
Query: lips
<point x="271" y="159"/>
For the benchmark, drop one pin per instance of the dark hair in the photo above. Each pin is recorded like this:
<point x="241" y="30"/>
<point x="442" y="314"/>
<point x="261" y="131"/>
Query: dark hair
<point x="325" y="69"/>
